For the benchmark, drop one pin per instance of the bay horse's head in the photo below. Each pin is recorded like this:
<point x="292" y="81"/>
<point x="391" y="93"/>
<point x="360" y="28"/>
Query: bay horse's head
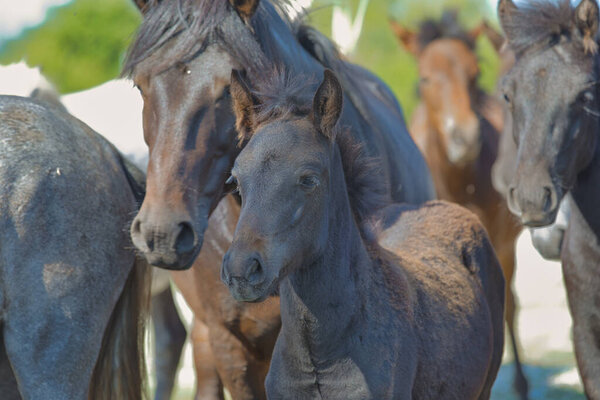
<point x="181" y="61"/>
<point x="292" y="177"/>
<point x="448" y="72"/>
<point x="552" y="93"/>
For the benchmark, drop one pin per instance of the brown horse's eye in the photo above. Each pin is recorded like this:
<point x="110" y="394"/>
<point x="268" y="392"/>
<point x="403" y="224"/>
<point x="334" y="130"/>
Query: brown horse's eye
<point x="424" y="80"/>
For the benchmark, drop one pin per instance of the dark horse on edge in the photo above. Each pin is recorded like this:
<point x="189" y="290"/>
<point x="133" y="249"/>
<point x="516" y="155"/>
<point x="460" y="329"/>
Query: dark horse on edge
<point x="552" y="92"/>
<point x="416" y="313"/>
<point x="72" y="294"/>
<point x="181" y="61"/>
<point x="457" y="126"/>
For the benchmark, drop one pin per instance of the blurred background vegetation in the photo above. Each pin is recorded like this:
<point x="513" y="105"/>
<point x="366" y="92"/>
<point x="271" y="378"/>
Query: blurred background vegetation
<point x="82" y="43"/>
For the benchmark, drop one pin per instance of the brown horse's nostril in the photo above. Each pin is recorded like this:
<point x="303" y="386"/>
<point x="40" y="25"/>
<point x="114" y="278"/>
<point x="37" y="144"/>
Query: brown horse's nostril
<point x="186" y="239"/>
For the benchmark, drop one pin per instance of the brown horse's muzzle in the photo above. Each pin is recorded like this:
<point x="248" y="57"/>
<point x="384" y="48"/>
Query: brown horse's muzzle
<point x="167" y="240"/>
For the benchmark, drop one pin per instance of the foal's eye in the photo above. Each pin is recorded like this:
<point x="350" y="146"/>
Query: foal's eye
<point x="309" y="182"/>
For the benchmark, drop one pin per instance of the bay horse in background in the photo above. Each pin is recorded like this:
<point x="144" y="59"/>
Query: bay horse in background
<point x="456" y="126"/>
<point x="553" y="94"/>
<point x="181" y="60"/>
<point x="414" y="314"/>
<point x="73" y="295"/>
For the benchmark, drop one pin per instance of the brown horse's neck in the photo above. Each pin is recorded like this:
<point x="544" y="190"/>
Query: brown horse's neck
<point x="321" y="301"/>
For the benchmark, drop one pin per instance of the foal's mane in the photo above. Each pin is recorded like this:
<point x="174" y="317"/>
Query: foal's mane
<point x="447" y="27"/>
<point x="283" y="96"/>
<point x="536" y="21"/>
<point x="197" y="23"/>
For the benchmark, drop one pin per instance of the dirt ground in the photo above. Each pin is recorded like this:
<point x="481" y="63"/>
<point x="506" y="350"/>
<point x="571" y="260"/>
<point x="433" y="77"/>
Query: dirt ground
<point x="544" y="327"/>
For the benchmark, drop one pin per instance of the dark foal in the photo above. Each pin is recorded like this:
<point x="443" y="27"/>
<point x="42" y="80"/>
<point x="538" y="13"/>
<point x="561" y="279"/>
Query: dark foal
<point x="72" y="294"/>
<point x="552" y="92"/>
<point x="422" y="318"/>
<point x="456" y="126"/>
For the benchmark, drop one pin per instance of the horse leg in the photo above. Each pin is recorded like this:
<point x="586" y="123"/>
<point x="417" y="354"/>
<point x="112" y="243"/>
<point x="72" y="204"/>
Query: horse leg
<point x="208" y="382"/>
<point x="169" y="338"/>
<point x="240" y="372"/>
<point x="8" y="383"/>
<point x="506" y="256"/>
<point x="582" y="279"/>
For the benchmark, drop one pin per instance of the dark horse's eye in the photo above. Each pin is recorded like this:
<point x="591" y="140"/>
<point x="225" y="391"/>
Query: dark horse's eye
<point x="506" y="98"/>
<point x="309" y="181"/>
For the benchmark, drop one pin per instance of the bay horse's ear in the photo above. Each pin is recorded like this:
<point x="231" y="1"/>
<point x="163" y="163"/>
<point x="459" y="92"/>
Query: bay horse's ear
<point x="327" y="104"/>
<point x="143" y="5"/>
<point x="406" y="37"/>
<point x="244" y="103"/>
<point x="495" y="38"/>
<point x="586" y="20"/>
<point x="245" y="8"/>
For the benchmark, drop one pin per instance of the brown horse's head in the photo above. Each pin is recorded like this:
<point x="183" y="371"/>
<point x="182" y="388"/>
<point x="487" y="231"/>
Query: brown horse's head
<point x="284" y="179"/>
<point x="552" y="93"/>
<point x="181" y="61"/>
<point x="448" y="71"/>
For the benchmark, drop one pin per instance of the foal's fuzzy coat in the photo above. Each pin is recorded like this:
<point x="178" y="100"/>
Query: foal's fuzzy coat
<point x="417" y="313"/>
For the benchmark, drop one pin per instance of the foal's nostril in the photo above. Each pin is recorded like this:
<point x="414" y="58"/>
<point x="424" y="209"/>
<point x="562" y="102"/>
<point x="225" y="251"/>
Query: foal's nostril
<point x="186" y="239"/>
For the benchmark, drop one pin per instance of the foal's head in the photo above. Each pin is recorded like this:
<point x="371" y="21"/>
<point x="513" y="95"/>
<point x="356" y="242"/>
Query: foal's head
<point x="448" y="71"/>
<point x="552" y="93"/>
<point x="286" y="176"/>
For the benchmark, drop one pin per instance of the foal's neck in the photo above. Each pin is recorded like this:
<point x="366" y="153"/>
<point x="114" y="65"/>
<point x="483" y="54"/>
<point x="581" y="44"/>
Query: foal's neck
<point x="320" y="301"/>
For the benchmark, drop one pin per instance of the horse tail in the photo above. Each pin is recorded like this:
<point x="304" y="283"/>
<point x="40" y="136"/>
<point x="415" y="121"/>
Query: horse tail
<point x="120" y="372"/>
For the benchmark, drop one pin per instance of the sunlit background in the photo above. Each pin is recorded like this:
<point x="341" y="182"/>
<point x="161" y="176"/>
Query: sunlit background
<point x="80" y="44"/>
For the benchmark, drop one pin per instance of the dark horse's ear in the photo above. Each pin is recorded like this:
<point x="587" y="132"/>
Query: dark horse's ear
<point x="245" y="8"/>
<point x="327" y="104"/>
<point x="406" y="37"/>
<point x="244" y="103"/>
<point x="506" y="9"/>
<point x="586" y="20"/>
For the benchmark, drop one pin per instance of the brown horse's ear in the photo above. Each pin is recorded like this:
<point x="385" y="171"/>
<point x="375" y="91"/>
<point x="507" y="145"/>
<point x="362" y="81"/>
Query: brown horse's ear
<point x="407" y="38"/>
<point x="245" y="8"/>
<point x="495" y="38"/>
<point x="327" y="104"/>
<point x="506" y="9"/>
<point x="244" y="103"/>
<point x="586" y="20"/>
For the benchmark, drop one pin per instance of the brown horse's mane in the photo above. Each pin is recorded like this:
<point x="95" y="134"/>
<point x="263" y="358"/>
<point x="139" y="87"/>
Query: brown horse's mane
<point x="447" y="27"/>
<point x="281" y="96"/>
<point x="197" y="23"/>
<point x="537" y="21"/>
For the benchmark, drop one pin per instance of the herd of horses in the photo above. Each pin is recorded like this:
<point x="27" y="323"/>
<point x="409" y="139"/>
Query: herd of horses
<point x="296" y="212"/>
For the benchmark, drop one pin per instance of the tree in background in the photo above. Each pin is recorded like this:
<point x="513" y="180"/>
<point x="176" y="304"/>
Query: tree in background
<point x="80" y="44"/>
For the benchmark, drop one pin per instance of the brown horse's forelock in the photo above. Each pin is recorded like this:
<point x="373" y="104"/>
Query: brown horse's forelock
<point x="535" y="22"/>
<point x="196" y="23"/>
<point x="447" y="27"/>
<point x="283" y="96"/>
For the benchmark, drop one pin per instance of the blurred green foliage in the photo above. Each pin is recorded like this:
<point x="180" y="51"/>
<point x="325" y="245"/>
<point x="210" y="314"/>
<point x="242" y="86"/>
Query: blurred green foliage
<point x="83" y="43"/>
<point x="80" y="45"/>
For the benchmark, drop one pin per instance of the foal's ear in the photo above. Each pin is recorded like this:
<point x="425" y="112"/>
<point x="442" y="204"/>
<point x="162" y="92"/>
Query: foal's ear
<point x="406" y="37"/>
<point x="245" y="8"/>
<point x="496" y="39"/>
<point x="586" y="20"/>
<point x="244" y="103"/>
<point x="506" y="9"/>
<point x="327" y="104"/>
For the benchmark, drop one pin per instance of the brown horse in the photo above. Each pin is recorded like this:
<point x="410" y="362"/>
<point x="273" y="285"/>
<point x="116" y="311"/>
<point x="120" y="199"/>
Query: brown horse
<point x="457" y="127"/>
<point x="414" y="314"/>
